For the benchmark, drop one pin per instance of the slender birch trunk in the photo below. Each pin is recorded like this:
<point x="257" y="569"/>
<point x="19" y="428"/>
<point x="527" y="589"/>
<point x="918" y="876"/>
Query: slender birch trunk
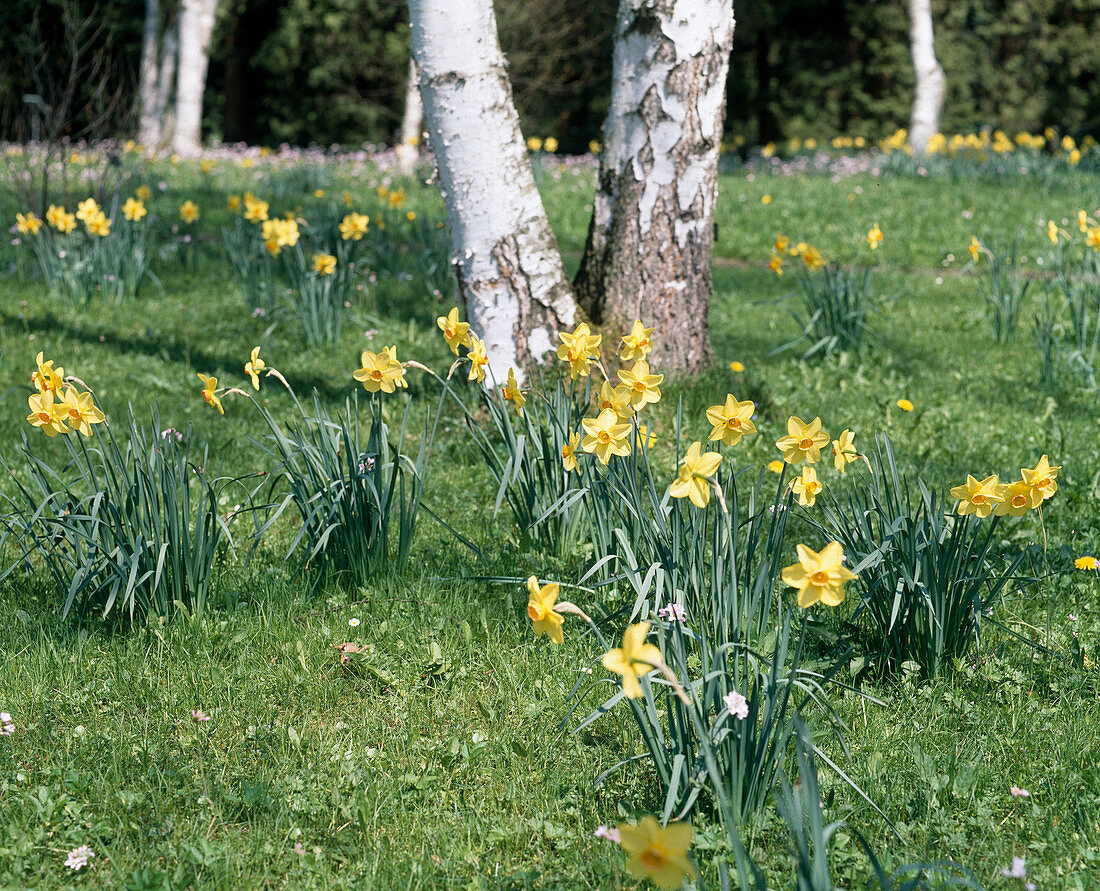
<point x="196" y="27"/>
<point x="931" y="81"/>
<point x="408" y="149"/>
<point x="169" y="54"/>
<point x="509" y="268"/>
<point x="651" y="237"/>
<point x="148" y="122"/>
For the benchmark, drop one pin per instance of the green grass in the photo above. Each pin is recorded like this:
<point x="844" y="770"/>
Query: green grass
<point x="443" y="767"/>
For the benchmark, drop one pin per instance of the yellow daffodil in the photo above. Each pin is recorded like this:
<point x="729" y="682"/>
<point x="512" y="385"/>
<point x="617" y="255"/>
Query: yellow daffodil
<point x="255" y="210"/>
<point x="1041" y="480"/>
<point x="456" y="333"/>
<point x="975" y="248"/>
<point x="633" y="659"/>
<point x="776" y="466"/>
<point x="775" y="264"/>
<point x="133" y="210"/>
<point x="324" y="264"/>
<point x="189" y="211"/>
<point x="569" y="452"/>
<point x="254" y="366"/>
<point x="209" y="385"/>
<point x="540" y="609"/>
<point x="803" y="441"/>
<point x="27" y="223"/>
<point x="534" y="144"/>
<point x="874" y="237"/>
<point x="1016" y="498"/>
<point x="98" y="224"/>
<point x="47" y="413"/>
<point x="615" y="398"/>
<point x="86" y="208"/>
<point x="234" y="202"/>
<point x="977" y="496"/>
<point x="658" y="852"/>
<point x="693" y="479"/>
<point x="278" y="234"/>
<point x="819" y="576"/>
<point x="1082" y="220"/>
<point x="1053" y="232"/>
<point x="1092" y="238"/>
<point x="844" y="452"/>
<point x="579" y="349"/>
<point x="380" y="371"/>
<point x="550" y="144"/>
<point x="206" y="165"/>
<point x="606" y="436"/>
<point x="781" y="242"/>
<point x="46" y="378"/>
<point x="354" y="226"/>
<point x="512" y="391"/>
<point x="396" y="198"/>
<point x="812" y="257"/>
<point x="731" y="421"/>
<point x="479" y="359"/>
<point x="644" y="387"/>
<point x="144" y="193"/>
<point x="637" y="344"/>
<point x="80" y="410"/>
<point x="806" y="487"/>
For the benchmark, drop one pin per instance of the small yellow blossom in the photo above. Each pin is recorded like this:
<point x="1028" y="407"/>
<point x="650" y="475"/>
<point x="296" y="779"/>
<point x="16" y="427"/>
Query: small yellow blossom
<point x="380" y="371"/>
<point x="456" y="333"/>
<point x="569" y="452"/>
<point x="904" y="405"/>
<point x="1087" y="563"/>
<point x="806" y="486"/>
<point x="98" y="224"/>
<point x="731" y="421"/>
<point x="765" y="199"/>
<point x="324" y="264"/>
<point x="354" y="226"/>
<point x="133" y="210"/>
<point x="479" y="359"/>
<point x="1041" y="480"/>
<point x="693" y="479"/>
<point x="144" y="193"/>
<point x="776" y="466"/>
<point x="1016" y="498"/>
<point x="844" y="452"/>
<point x="615" y="398"/>
<point x="736" y="366"/>
<point x="47" y="413"/>
<point x="977" y="496"/>
<point x="80" y="411"/>
<point x="540" y="609"/>
<point x="550" y="144"/>
<point x="534" y="144"/>
<point x="189" y="211"/>
<point x="644" y="387"/>
<point x="209" y="386"/>
<point x="819" y="576"/>
<point x="254" y="366"/>
<point x="87" y="208"/>
<point x="255" y="210"/>
<point x="874" y="237"/>
<point x="975" y="248"/>
<point x="579" y="349"/>
<point x="27" y="223"/>
<point x="633" y="659"/>
<point x="234" y="202"/>
<point x="637" y="344"/>
<point x="512" y="391"/>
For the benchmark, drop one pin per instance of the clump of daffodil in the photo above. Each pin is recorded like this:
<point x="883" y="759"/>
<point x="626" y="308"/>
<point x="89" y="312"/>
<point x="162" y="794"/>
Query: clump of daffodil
<point x="615" y="398"/>
<point x="512" y="391"/>
<point x="978" y="496"/>
<point x="47" y="378"/>
<point x="27" y="223"/>
<point x="209" y="392"/>
<point x="637" y="344"/>
<point x="694" y="478"/>
<point x="1040" y="480"/>
<point x="354" y="226"/>
<point x="580" y="349"/>
<point x="806" y="486"/>
<point x="80" y="411"/>
<point x="844" y="450"/>
<point x="819" y="576"/>
<point x="606" y="435"/>
<point x="98" y="223"/>
<point x="569" y="452"/>
<point x="634" y="659"/>
<point x="324" y="264"/>
<point x="381" y="371"/>
<point x="644" y="387"/>
<point x="63" y="222"/>
<point x="255" y="210"/>
<point x="479" y="359"/>
<point x="46" y="413"/>
<point x="189" y="211"/>
<point x="254" y="366"/>
<point x="874" y="237"/>
<point x="658" y="852"/>
<point x="731" y="420"/>
<point x="456" y="333"/>
<point x="278" y="234"/>
<point x="803" y="441"/>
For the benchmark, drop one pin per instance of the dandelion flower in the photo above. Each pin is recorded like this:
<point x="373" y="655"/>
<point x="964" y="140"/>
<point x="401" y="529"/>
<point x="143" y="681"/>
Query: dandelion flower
<point x="1086" y="562"/>
<point x="905" y="405"/>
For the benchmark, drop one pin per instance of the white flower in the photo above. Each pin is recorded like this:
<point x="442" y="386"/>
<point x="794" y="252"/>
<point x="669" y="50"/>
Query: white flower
<point x="78" y="857"/>
<point x="354" y="623"/>
<point x="674" y="612"/>
<point x="737" y="705"/>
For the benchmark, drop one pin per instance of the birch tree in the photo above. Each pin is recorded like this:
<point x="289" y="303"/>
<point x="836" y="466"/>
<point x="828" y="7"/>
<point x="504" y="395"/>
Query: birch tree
<point x="931" y="83"/>
<point x="408" y="148"/>
<point x="507" y="259"/>
<point x="196" y="25"/>
<point x="148" y="122"/>
<point x="651" y="237"/>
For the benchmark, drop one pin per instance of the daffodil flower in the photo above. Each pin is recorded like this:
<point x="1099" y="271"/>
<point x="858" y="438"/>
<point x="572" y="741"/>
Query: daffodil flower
<point x="806" y="487"/>
<point x="874" y="237"/>
<point x="819" y="576"/>
<point x="512" y="391"/>
<point x="606" y="436"/>
<point x="615" y="398"/>
<point x="693" y="480"/>
<point x="580" y="349"/>
<point x="456" y="333"/>
<point x="644" y="387"/>
<point x="633" y="659"/>
<point x="844" y="452"/>
<point x="658" y="852"/>
<point x="46" y="413"/>
<point x="254" y="366"/>
<point x="209" y="386"/>
<point x="479" y="359"/>
<point x="803" y="441"/>
<point x="569" y="452"/>
<point x="977" y="496"/>
<point x="1016" y="498"/>
<point x="731" y="421"/>
<point x="80" y="411"/>
<point x="540" y="609"/>
<point x="1041" y="480"/>
<point x="636" y="344"/>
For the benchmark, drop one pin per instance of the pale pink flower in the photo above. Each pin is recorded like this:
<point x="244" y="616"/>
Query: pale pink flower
<point x="737" y="705"/>
<point x="78" y="857"/>
<point x="608" y="832"/>
<point x="674" y="612"/>
<point x="199" y="715"/>
<point x="1017" y="792"/>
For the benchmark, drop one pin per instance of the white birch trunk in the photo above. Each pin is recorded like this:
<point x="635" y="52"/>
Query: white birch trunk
<point x="196" y="28"/>
<point x="651" y="237"/>
<point x="507" y="259"/>
<point x="148" y="121"/>
<point x="931" y="81"/>
<point x="166" y="120"/>
<point x="408" y="149"/>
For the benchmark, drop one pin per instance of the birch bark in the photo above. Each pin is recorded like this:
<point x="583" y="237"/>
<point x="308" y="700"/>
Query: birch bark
<point x="408" y="149"/>
<point x="509" y="268"/>
<point x="651" y="237"/>
<point x="148" y="121"/>
<point x="195" y="29"/>
<point x="166" y="119"/>
<point x="931" y="83"/>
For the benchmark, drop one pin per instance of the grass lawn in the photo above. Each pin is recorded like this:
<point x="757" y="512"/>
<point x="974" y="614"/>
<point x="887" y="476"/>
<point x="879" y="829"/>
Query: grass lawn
<point x="436" y="760"/>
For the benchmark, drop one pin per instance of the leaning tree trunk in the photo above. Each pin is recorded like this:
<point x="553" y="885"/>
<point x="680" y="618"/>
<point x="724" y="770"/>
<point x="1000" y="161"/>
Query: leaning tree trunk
<point x="931" y="81"/>
<point x="169" y="54"/>
<point x="148" y="121"/>
<point x="408" y="149"/>
<point x="509" y="268"/>
<point x="196" y="27"/>
<point x="651" y="237"/>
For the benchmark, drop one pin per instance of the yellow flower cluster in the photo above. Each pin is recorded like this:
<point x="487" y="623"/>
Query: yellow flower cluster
<point x="990" y="495"/>
<point x="354" y="226"/>
<point x="278" y="234"/>
<point x="58" y="218"/>
<point x="95" y="221"/>
<point x="57" y="407"/>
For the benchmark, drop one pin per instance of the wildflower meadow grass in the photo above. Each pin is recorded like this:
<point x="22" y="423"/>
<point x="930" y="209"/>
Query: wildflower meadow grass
<point x="823" y="616"/>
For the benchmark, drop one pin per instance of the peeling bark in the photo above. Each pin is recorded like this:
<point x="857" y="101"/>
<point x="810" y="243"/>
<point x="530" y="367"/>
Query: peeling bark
<point x="931" y="83"/>
<point x="510" y="271"/>
<point x="651" y="238"/>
